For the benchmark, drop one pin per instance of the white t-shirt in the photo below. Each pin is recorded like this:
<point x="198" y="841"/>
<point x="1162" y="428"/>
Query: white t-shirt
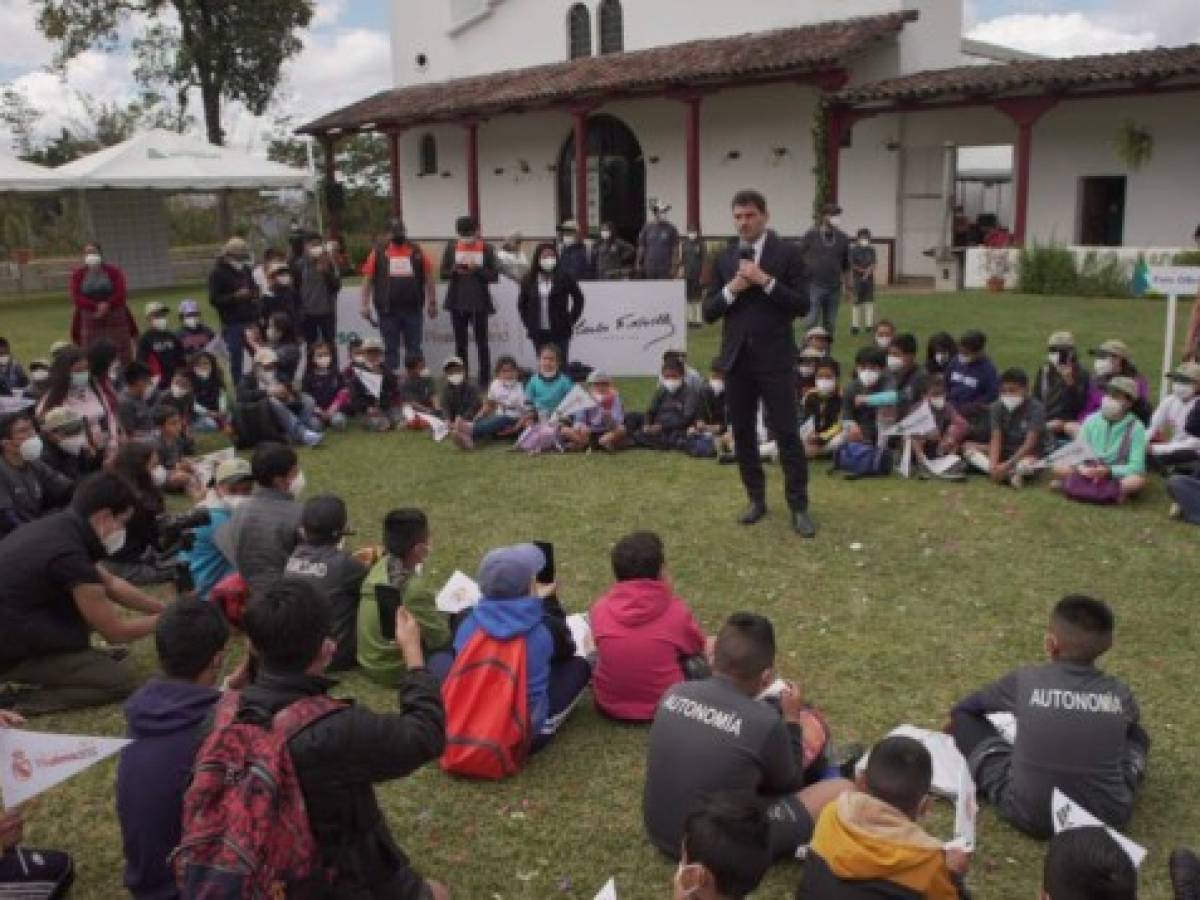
<point x="1169" y="421"/>
<point x="510" y="401"/>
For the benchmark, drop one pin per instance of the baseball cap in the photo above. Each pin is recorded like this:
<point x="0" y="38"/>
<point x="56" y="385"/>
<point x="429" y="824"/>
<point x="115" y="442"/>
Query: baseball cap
<point x="232" y="471"/>
<point x="277" y="267"/>
<point x="1124" y="385"/>
<point x="372" y="343"/>
<point x="569" y="225"/>
<point x="810" y="353"/>
<point x="599" y="377"/>
<point x="507" y="572"/>
<point x="1113" y="347"/>
<point x="1062" y="339"/>
<point x="63" y="421"/>
<point x="154" y="307"/>
<point x="452" y="361"/>
<point x="1186" y="371"/>
<point x="59" y="346"/>
<point x="324" y="516"/>
<point x="189" y="308"/>
<point x="816" y="331"/>
<point x="235" y="247"/>
<point x="266" y="357"/>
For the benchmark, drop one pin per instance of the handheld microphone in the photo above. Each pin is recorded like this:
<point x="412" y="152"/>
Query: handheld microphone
<point x="746" y="251"/>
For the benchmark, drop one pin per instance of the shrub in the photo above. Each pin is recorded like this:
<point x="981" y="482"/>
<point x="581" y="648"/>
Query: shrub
<point x="1103" y="276"/>
<point x="1186" y="258"/>
<point x="1047" y="270"/>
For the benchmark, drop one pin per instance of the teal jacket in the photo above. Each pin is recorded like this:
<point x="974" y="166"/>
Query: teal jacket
<point x="543" y="395"/>
<point x="1105" y="439"/>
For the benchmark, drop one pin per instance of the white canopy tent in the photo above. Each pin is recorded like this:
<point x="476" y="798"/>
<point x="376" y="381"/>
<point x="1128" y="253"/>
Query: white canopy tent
<point x="18" y="175"/>
<point x="124" y="187"/>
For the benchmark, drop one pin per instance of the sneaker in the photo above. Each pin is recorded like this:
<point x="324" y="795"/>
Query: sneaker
<point x="44" y="874"/>
<point x="1175" y="512"/>
<point x="311" y="438"/>
<point x="978" y="460"/>
<point x="1184" y="867"/>
<point x="1017" y="480"/>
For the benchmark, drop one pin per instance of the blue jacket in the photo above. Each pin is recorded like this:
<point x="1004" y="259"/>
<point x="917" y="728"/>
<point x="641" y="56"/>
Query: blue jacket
<point x="517" y="618"/>
<point x="164" y="718"/>
<point x="573" y="259"/>
<point x="207" y="563"/>
<point x="973" y="386"/>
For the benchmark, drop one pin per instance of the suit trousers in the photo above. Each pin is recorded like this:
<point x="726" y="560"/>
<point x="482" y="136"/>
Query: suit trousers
<point x="463" y="322"/>
<point x="745" y="389"/>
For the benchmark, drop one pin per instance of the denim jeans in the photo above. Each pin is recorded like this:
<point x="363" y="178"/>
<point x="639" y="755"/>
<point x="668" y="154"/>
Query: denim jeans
<point x="406" y="323"/>
<point x="490" y="426"/>
<point x="235" y="342"/>
<point x="824" y="306"/>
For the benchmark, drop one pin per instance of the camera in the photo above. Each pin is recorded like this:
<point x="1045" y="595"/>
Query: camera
<point x="173" y="530"/>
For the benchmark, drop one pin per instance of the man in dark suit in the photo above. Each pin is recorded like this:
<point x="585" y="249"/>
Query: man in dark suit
<point x="759" y="289"/>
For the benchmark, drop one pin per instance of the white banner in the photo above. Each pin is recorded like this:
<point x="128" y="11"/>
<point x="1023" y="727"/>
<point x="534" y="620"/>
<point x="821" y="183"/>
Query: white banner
<point x="577" y="401"/>
<point x="919" y="422"/>
<point x="31" y="762"/>
<point x="626" y="326"/>
<point x="1068" y="814"/>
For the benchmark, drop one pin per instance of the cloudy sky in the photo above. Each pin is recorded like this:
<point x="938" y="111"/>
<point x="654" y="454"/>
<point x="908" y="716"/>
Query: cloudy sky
<point x="346" y="53"/>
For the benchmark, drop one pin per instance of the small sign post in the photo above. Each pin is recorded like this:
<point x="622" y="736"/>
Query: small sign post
<point x="1174" y="281"/>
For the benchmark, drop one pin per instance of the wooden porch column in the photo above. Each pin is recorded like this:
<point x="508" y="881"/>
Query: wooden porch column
<point x="580" y="117"/>
<point x="394" y="169"/>
<point x="1024" y="111"/>
<point x="692" y="128"/>
<point x="473" y="170"/>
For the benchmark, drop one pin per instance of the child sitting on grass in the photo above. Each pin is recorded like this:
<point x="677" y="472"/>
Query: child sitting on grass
<point x="823" y="408"/>
<point x="868" y="842"/>
<point x="1062" y="385"/>
<point x="416" y="385"/>
<point x="12" y="376"/>
<point x="1117" y="439"/>
<point x="644" y="632"/>
<point x="173" y="446"/>
<point x="504" y="410"/>
<point x="460" y="401"/>
<point x="548" y="386"/>
<point x="1170" y="442"/>
<point x="1087" y="864"/>
<point x="208" y="389"/>
<point x="373" y="390"/>
<point x="1078" y="729"/>
<point x="865" y="404"/>
<point x="599" y="426"/>
<point x="725" y="852"/>
<point x="674" y="409"/>
<point x="1018" y="432"/>
<point x="327" y="387"/>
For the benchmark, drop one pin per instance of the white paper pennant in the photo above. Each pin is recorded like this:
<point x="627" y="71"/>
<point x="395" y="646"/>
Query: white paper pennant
<point x="1068" y="814"/>
<point x="458" y="593"/>
<point x="32" y="761"/>
<point x="918" y="422"/>
<point x="577" y="401"/>
<point x="609" y="891"/>
<point x="372" y="381"/>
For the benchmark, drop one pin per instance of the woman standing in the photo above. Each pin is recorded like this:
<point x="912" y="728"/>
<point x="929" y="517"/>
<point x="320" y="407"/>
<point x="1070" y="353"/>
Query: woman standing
<point x="98" y="293"/>
<point x="550" y="302"/>
<point x="73" y="386"/>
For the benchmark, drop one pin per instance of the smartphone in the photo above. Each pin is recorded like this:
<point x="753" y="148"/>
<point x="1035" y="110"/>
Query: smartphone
<point x="388" y="598"/>
<point x="546" y="576"/>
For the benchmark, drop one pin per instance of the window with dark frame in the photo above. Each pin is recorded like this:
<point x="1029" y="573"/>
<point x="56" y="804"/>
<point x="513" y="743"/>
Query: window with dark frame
<point x="429" y="156"/>
<point x="579" y="32"/>
<point x="612" y="27"/>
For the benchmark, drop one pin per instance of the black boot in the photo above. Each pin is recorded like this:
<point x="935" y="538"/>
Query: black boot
<point x="755" y="512"/>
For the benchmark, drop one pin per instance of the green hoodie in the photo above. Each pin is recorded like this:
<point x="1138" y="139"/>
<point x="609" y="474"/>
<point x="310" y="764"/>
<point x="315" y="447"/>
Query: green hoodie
<point x="1105" y="439"/>
<point x="379" y="658"/>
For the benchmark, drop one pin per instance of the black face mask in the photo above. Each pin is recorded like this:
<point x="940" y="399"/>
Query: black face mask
<point x="398" y="237"/>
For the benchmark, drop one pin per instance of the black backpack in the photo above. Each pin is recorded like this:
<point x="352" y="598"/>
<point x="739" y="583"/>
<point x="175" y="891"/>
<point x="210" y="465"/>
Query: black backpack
<point x="253" y="424"/>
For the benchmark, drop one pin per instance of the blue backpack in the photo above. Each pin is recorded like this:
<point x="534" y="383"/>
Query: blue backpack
<point x="860" y="460"/>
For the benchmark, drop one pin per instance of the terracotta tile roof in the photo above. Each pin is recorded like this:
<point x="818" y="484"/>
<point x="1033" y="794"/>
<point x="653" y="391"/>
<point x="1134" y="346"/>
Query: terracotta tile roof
<point x="1039" y="75"/>
<point x="761" y="55"/>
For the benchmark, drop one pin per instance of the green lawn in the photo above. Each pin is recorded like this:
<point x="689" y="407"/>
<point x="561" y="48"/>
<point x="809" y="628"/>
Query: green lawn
<point x="951" y="586"/>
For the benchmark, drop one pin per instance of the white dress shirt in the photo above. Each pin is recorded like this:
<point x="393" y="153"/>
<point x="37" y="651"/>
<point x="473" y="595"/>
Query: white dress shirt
<point x="730" y="296"/>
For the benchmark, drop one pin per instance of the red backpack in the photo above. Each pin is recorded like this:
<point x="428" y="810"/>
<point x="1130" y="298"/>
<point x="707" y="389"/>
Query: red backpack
<point x="245" y="825"/>
<point x="487" y="709"/>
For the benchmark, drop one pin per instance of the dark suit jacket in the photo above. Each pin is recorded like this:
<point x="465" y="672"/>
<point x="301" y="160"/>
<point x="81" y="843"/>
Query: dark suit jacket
<point x="758" y="325"/>
<point x="565" y="302"/>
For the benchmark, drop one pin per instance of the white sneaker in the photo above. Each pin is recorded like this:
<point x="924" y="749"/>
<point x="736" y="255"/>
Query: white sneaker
<point x="978" y="460"/>
<point x="1175" y="512"/>
<point x="312" y="438"/>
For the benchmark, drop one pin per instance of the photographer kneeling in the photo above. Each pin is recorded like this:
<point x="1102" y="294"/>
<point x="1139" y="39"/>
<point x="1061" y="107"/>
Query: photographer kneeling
<point x="53" y="595"/>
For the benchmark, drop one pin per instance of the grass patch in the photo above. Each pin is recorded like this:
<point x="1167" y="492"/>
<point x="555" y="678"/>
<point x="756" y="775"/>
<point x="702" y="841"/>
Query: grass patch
<point x="952" y="587"/>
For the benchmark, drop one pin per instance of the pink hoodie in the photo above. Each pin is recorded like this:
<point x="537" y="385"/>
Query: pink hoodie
<point x="642" y="629"/>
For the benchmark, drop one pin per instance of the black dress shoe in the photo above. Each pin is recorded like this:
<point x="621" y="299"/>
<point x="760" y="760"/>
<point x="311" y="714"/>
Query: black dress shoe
<point x="756" y="512"/>
<point x="803" y="524"/>
<point x="1185" y="874"/>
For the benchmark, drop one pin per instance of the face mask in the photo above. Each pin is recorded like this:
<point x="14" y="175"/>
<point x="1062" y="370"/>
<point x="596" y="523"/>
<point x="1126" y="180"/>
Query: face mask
<point x="159" y="475"/>
<point x="570" y="240"/>
<point x="315" y="252"/>
<point x="964" y="359"/>
<point x="296" y="488"/>
<point x="398" y="236"/>
<point x="39" y="376"/>
<point x="456" y="379"/>
<point x="73" y="445"/>
<point x="937" y="402"/>
<point x="895" y="364"/>
<point x="191" y="321"/>
<point x="160" y="323"/>
<point x="806" y="371"/>
<point x="31" y="448"/>
<point x="717" y="385"/>
<point x="358" y="359"/>
<point x="864" y="242"/>
<point x="882" y="341"/>
<point x="283" y="281"/>
<point x="79" y="379"/>
<point x="606" y="235"/>
<point x="868" y="377"/>
<point x="835" y="221"/>
<point x="322" y="362"/>
<point x="1112" y="408"/>
<point x="91" y="259"/>
<point x="692" y="236"/>
<point x="680" y="890"/>
<point x="5" y="359"/>
<point x="672" y="384"/>
<point x="1011" y="401"/>
<point x="204" y="374"/>
<point x="1103" y="367"/>
<point x="114" y="542"/>
<point x="179" y="392"/>
<point x="508" y="383"/>
<point x="548" y="263"/>
<point x="826" y="386"/>
<point x="941" y="358"/>
<point x="1183" y="390"/>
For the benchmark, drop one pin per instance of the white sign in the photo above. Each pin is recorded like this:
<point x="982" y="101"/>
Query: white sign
<point x="31" y="761"/>
<point x="609" y="891"/>
<point x="1075" y="453"/>
<point x="577" y="400"/>
<point x="1068" y="814"/>
<point x="459" y="592"/>
<point x="372" y="381"/>
<point x="1175" y="280"/>
<point x="625" y="328"/>
<point x="966" y="811"/>
<point x="581" y="632"/>
<point x="919" y="422"/>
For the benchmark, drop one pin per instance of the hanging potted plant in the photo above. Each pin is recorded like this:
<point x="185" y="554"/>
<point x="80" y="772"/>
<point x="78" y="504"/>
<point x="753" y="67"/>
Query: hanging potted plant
<point x="1134" y="145"/>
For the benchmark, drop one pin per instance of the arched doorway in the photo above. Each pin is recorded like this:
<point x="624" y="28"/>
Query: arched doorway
<point x="616" y="177"/>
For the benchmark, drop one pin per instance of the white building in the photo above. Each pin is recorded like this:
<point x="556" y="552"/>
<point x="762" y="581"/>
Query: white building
<point x="686" y="101"/>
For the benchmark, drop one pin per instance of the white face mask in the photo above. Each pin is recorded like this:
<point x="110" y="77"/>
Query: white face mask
<point x="826" y="386"/>
<point x="548" y="264"/>
<point x="941" y="358"/>
<point x="274" y="334"/>
<point x="191" y="321"/>
<point x="114" y="541"/>
<point x="91" y="259"/>
<point x="283" y="280"/>
<point x="456" y="379"/>
<point x="358" y="359"/>
<point x="806" y="371"/>
<point x="717" y="385"/>
<point x="864" y="242"/>
<point x="570" y="240"/>
<point x="316" y="252"/>
<point x="964" y="360"/>
<point x="835" y="221"/>
<point x="605" y="235"/>
<point x="233" y="501"/>
<point x="895" y="364"/>
<point x="1112" y="408"/>
<point x="1103" y="366"/>
<point x="1011" y="401"/>
<point x="681" y="892"/>
<point x="868" y="377"/>
<point x="692" y="236"/>
<point x="322" y="362"/>
<point x="160" y="323"/>
<point x="204" y="373"/>
<point x="5" y="359"/>
<point x="882" y="341"/>
<point x="331" y="247"/>
<point x="296" y="488"/>
<point x="73" y="445"/>
<point x="1184" y="390"/>
<point x="39" y="376"/>
<point x="79" y="379"/>
<point x="672" y="384"/>
<point x="31" y="448"/>
<point x="159" y="475"/>
<point x="937" y="402"/>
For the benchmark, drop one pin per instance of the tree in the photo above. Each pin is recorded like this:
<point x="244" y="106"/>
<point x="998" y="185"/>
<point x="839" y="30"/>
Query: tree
<point x="226" y="49"/>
